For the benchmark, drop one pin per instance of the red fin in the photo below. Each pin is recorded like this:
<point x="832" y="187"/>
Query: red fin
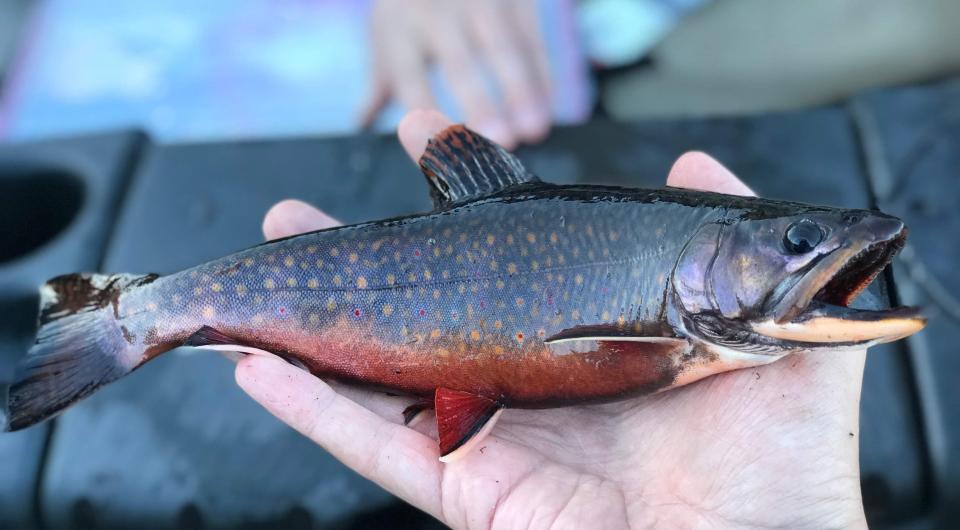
<point x="461" y="417"/>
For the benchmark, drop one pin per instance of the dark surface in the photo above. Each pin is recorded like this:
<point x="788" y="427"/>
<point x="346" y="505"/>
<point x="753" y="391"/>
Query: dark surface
<point x="915" y="169"/>
<point x="178" y="445"/>
<point x="58" y="201"/>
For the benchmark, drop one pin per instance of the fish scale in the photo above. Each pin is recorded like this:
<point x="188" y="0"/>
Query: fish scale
<point x="511" y="293"/>
<point x="509" y="272"/>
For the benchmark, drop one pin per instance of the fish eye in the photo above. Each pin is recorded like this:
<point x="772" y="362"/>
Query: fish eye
<point x="802" y="236"/>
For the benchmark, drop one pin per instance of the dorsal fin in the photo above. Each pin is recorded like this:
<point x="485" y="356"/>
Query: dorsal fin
<point x="460" y="165"/>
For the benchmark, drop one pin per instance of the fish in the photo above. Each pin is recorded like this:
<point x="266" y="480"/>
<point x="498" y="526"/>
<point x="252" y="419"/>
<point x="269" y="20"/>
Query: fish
<point x="511" y="293"/>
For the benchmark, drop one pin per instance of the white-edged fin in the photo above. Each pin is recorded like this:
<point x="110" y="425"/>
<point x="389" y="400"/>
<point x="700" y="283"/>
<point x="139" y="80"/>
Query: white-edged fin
<point x="236" y="348"/>
<point x="468" y="446"/>
<point x="587" y="344"/>
<point x="462" y="419"/>
<point x="208" y="338"/>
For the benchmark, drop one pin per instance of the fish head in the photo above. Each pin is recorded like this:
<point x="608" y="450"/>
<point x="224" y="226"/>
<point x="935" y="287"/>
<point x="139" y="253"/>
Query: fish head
<point x="783" y="283"/>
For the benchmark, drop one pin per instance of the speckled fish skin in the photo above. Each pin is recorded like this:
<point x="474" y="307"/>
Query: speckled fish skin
<point x="511" y="293"/>
<point x="462" y="299"/>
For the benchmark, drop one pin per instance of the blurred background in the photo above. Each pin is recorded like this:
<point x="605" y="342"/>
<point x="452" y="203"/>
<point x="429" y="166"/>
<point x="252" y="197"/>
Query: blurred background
<point x="150" y="136"/>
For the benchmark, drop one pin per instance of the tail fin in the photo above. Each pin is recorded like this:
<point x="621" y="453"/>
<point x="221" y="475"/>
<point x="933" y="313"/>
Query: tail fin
<point x="80" y="346"/>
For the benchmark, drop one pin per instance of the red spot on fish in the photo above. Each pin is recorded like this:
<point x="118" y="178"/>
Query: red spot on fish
<point x="483" y="304"/>
<point x="416" y="253"/>
<point x="282" y="310"/>
<point x="549" y="299"/>
<point x="423" y="312"/>
<point x="519" y="336"/>
<point x="357" y="312"/>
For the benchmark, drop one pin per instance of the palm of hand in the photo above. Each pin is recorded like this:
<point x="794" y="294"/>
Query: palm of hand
<point x="752" y="448"/>
<point x="770" y="446"/>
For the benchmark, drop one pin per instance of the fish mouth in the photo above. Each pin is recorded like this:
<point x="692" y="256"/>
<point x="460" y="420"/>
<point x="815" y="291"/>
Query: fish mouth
<point x="815" y="305"/>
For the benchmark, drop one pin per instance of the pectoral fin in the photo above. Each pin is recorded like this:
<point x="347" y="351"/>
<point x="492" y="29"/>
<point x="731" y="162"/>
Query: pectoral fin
<point x="463" y="419"/>
<point x="644" y="340"/>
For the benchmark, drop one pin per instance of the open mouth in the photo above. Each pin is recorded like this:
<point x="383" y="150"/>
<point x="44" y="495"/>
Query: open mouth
<point x="859" y="271"/>
<point x="816" y="308"/>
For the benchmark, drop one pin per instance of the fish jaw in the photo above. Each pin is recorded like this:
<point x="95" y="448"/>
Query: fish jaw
<point x="828" y="324"/>
<point x="837" y="277"/>
<point x="815" y="312"/>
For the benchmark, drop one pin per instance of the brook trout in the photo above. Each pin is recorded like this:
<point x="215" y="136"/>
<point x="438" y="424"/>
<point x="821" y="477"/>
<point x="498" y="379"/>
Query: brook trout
<point x="512" y="292"/>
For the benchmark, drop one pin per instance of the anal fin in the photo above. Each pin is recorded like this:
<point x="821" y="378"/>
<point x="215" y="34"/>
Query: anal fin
<point x="463" y="419"/>
<point x="209" y="338"/>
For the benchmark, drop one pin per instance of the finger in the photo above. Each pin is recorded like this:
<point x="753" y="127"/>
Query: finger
<point x="507" y="57"/>
<point x="699" y="171"/>
<point x="376" y="100"/>
<point x="404" y="62"/>
<point x="399" y="459"/>
<point x="292" y="217"/>
<point x="388" y="407"/>
<point x="417" y="128"/>
<point x="459" y="65"/>
<point x="526" y="17"/>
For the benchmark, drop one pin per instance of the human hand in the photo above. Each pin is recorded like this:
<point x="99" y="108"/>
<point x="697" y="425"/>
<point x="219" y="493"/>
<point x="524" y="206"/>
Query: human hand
<point x="465" y="39"/>
<point x="769" y="446"/>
